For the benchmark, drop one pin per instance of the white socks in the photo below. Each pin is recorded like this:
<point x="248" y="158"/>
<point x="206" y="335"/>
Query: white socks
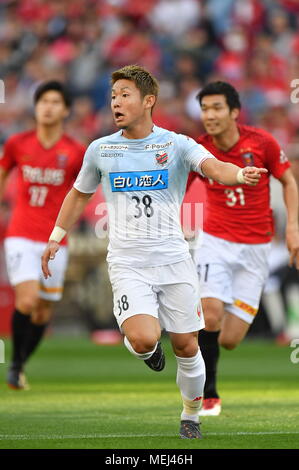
<point x="140" y="356"/>
<point x="191" y="376"/>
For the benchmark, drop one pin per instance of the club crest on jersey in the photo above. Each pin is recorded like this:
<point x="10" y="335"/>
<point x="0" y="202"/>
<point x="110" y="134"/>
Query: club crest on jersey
<point x="248" y="159"/>
<point x="161" y="157"/>
<point x="282" y="157"/>
<point x="61" y="160"/>
<point x="198" y="311"/>
<point x="25" y="158"/>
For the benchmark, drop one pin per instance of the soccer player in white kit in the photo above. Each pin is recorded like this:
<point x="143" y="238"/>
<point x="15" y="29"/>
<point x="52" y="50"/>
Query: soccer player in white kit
<point x="144" y="170"/>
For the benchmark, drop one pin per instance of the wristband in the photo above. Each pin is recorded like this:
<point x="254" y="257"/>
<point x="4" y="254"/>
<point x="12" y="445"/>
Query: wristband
<point x="57" y="234"/>
<point x="240" y="176"/>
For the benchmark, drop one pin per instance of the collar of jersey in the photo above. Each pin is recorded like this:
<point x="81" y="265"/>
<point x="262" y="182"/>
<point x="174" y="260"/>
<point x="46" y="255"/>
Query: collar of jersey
<point x="154" y="129"/>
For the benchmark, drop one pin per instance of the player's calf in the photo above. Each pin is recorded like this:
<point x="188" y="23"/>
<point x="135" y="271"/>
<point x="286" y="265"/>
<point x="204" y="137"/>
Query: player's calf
<point x="154" y="359"/>
<point x="190" y="380"/>
<point x="233" y="331"/>
<point x="42" y="314"/>
<point x="229" y="339"/>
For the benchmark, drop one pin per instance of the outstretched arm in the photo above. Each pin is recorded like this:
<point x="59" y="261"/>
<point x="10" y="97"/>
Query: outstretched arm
<point x="230" y="174"/>
<point x="290" y="195"/>
<point x="71" y="209"/>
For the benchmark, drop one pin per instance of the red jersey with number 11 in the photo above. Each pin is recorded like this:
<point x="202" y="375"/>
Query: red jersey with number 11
<point x="44" y="178"/>
<point x="242" y="213"/>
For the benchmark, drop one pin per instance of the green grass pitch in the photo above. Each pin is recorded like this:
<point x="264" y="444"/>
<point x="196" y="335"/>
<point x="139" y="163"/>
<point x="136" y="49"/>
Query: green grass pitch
<point x="85" y="396"/>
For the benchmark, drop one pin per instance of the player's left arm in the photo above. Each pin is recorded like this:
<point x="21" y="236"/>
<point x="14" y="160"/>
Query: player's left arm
<point x="279" y="167"/>
<point x="7" y="162"/>
<point x="3" y="178"/>
<point x="290" y="195"/>
<point x="230" y="174"/>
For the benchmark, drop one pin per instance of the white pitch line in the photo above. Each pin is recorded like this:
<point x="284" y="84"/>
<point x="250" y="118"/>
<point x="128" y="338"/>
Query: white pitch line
<point x="108" y="436"/>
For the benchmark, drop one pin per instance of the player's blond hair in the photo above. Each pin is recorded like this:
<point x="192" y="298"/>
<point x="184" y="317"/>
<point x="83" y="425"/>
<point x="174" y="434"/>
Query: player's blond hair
<point x="143" y="79"/>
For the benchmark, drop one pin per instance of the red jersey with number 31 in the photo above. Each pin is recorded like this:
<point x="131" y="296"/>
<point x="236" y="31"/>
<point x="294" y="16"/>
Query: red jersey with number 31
<point x="242" y="213"/>
<point x="44" y="178"/>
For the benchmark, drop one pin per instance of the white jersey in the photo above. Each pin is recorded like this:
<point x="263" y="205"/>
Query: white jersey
<point x="144" y="182"/>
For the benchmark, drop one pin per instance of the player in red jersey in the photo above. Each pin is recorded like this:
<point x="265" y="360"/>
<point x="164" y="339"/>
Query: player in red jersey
<point x="47" y="163"/>
<point x="232" y="258"/>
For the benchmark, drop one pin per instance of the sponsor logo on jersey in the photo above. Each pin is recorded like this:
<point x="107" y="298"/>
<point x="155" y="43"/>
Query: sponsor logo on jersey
<point x="247" y="308"/>
<point x="198" y="311"/>
<point x="158" y="146"/>
<point x="247" y="158"/>
<point x="62" y="160"/>
<point x="113" y="147"/>
<point x="43" y="175"/>
<point x="111" y="154"/>
<point x="139" y="180"/>
<point x="282" y="157"/>
<point x="161" y="157"/>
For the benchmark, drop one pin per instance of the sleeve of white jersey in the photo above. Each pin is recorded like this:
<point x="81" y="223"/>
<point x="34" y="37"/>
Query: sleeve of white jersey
<point x="193" y="154"/>
<point x="89" y="177"/>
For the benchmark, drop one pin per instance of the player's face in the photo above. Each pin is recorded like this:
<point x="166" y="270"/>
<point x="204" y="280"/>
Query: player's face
<point x="50" y="109"/>
<point x="128" y="107"/>
<point x="217" y="118"/>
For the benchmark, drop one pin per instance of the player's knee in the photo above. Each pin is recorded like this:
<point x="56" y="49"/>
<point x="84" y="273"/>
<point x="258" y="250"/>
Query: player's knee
<point x="213" y="314"/>
<point x="212" y="320"/>
<point x="189" y="350"/>
<point x="186" y="347"/>
<point x="228" y="343"/>
<point x="143" y="343"/>
<point x="26" y="304"/>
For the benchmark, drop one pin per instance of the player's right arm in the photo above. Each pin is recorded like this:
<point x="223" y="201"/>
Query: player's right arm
<point x="230" y="174"/>
<point x="199" y="159"/>
<point x="71" y="209"/>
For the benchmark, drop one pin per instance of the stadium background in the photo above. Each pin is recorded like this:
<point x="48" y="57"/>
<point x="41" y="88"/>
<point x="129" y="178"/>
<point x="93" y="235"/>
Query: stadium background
<point x="186" y="43"/>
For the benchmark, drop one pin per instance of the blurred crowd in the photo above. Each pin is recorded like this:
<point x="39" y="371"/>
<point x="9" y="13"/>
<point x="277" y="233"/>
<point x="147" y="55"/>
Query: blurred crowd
<point x="253" y="44"/>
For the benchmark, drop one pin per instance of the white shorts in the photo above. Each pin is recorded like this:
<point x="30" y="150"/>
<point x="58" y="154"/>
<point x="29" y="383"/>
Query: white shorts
<point x="234" y="273"/>
<point x="168" y="293"/>
<point x="23" y="262"/>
